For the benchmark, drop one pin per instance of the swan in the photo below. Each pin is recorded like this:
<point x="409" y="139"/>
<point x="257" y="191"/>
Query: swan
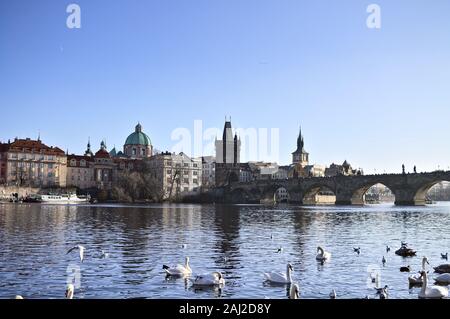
<point x="69" y="291"/>
<point x="434" y="292"/>
<point x="212" y="279"/>
<point x="294" y="292"/>
<point x="80" y="248"/>
<point x="416" y="279"/>
<point x="443" y="279"/>
<point x="323" y="255"/>
<point x="442" y="268"/>
<point x="280" y="278"/>
<point x="178" y="270"/>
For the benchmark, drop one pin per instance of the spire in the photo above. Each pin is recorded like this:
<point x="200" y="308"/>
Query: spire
<point x="138" y="128"/>
<point x="39" y="136"/>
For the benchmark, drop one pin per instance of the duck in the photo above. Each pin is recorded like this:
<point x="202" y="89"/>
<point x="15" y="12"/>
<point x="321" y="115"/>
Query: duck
<point x="280" y="250"/>
<point x="70" y="291"/>
<point x="212" y="279"/>
<point x="178" y="270"/>
<point x="404" y="251"/>
<point x="443" y="279"/>
<point x="388" y="249"/>
<point x="444" y="256"/>
<point x="280" y="278"/>
<point x="294" y="292"/>
<point x="441" y="269"/>
<point x="416" y="279"/>
<point x="104" y="255"/>
<point x="383" y="260"/>
<point x="323" y="255"/>
<point x="434" y="292"/>
<point x="81" y="250"/>
<point x="406" y="269"/>
<point x="357" y="250"/>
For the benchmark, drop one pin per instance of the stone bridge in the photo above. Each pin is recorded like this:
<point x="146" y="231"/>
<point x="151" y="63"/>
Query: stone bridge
<point x="409" y="189"/>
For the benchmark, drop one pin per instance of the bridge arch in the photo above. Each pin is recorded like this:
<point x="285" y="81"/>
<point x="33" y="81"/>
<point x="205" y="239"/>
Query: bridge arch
<point x="420" y="197"/>
<point x="319" y="194"/>
<point x="273" y="193"/>
<point x="359" y="194"/>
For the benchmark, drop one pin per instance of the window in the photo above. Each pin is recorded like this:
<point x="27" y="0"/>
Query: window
<point x="195" y="173"/>
<point x="50" y="166"/>
<point x="195" y="181"/>
<point x="143" y="152"/>
<point x="169" y="171"/>
<point x="195" y="165"/>
<point x="186" y="172"/>
<point x="134" y="151"/>
<point x="83" y="163"/>
<point x="186" y="165"/>
<point x="186" y="180"/>
<point x="186" y="189"/>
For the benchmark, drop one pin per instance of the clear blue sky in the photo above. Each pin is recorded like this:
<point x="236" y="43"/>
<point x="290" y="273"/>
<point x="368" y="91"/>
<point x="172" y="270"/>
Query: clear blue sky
<point x="378" y="98"/>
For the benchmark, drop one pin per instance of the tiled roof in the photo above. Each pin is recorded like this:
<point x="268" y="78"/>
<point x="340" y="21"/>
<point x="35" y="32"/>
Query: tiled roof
<point x="102" y="153"/>
<point x="30" y="146"/>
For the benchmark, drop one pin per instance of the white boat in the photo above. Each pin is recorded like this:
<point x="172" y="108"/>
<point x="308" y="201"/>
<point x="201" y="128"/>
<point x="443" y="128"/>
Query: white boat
<point x="64" y="198"/>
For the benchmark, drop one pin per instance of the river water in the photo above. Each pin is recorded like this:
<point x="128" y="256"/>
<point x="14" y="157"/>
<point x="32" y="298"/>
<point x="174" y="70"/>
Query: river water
<point x="240" y="241"/>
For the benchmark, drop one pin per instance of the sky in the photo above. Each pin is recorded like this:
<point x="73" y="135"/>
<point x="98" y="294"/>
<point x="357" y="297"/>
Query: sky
<point x="375" y="97"/>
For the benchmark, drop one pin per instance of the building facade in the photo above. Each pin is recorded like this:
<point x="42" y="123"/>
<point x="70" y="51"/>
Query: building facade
<point x="208" y="172"/>
<point x="80" y="171"/>
<point x="176" y="174"/>
<point x="26" y="162"/>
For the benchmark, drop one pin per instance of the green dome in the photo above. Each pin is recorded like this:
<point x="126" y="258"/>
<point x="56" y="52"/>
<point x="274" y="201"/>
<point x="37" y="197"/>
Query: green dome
<point x="138" y="137"/>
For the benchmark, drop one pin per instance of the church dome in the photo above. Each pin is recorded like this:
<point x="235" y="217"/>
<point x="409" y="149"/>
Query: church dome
<point x="138" y="137"/>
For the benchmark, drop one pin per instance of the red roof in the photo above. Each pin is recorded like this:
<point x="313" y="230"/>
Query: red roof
<point x="102" y="153"/>
<point x="30" y="146"/>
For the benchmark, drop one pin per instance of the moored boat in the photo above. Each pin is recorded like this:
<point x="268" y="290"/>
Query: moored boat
<point x="64" y="198"/>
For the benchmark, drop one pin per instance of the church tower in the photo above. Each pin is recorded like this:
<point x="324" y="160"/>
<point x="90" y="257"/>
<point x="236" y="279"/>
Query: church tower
<point x="88" y="150"/>
<point x="300" y="156"/>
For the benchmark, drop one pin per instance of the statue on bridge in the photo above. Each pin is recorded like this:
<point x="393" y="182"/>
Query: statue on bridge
<point x="415" y="169"/>
<point x="403" y="169"/>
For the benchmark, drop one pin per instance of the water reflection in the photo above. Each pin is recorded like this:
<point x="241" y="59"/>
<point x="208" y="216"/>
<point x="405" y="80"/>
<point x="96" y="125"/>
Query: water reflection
<point x="242" y="242"/>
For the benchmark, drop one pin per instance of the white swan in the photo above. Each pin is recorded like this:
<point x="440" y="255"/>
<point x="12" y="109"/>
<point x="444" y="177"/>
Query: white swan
<point x="416" y="279"/>
<point x="280" y="278"/>
<point x="212" y="279"/>
<point x="434" y="292"/>
<point x="443" y="279"/>
<point x="178" y="270"/>
<point x="323" y="255"/>
<point x="294" y="292"/>
<point x="70" y="291"/>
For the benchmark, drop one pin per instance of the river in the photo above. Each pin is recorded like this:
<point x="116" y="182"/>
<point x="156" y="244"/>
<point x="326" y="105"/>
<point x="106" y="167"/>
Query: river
<point x="242" y="242"/>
